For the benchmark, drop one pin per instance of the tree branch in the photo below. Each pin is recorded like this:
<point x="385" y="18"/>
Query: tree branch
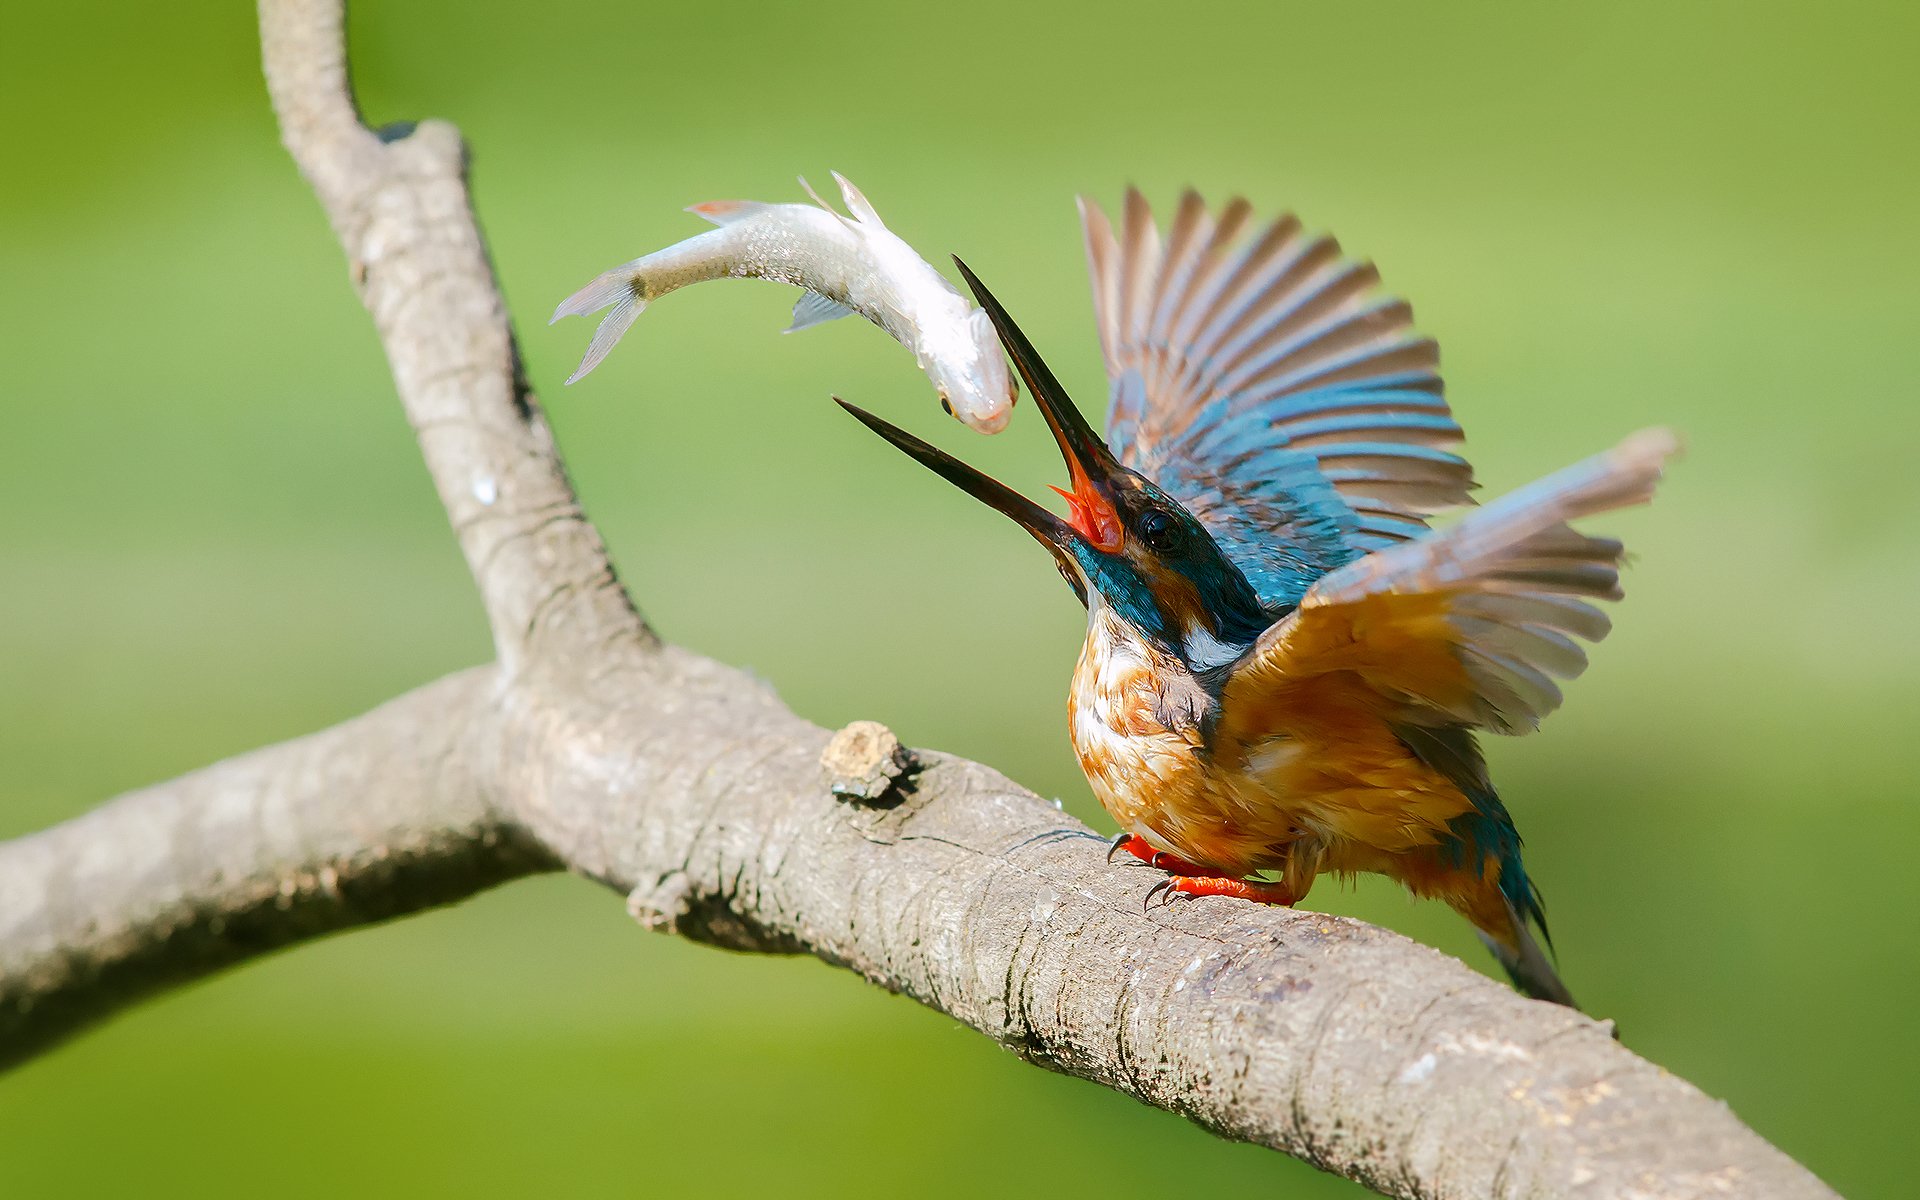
<point x="381" y="816"/>
<point x="691" y="789"/>
<point x="398" y="202"/>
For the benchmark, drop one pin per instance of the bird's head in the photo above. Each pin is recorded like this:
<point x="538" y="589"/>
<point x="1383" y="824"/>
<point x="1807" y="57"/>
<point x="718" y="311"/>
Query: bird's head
<point x="1124" y="540"/>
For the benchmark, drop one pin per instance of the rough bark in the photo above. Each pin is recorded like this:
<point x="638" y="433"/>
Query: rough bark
<point x="384" y="815"/>
<point x="689" y="788"/>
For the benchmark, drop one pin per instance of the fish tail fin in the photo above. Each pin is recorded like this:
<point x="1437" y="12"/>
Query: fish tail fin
<point x="618" y="289"/>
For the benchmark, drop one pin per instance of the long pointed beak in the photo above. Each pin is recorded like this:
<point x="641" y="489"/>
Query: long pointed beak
<point x="1094" y="471"/>
<point x="1091" y="467"/>
<point x="1050" y="530"/>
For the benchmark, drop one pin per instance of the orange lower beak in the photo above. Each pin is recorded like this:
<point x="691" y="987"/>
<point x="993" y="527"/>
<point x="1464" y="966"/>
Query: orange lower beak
<point x="1091" y="467"/>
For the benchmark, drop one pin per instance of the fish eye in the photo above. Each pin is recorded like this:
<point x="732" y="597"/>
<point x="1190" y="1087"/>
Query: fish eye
<point x="1157" y="530"/>
<point x="946" y="406"/>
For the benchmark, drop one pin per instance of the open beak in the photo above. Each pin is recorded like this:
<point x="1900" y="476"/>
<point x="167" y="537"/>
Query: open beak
<point x="1052" y="532"/>
<point x="1091" y="468"/>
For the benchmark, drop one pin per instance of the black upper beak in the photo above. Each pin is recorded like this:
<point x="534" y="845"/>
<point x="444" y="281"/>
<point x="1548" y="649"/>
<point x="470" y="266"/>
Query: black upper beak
<point x="1086" y="453"/>
<point x="1090" y="466"/>
<point x="1042" y="524"/>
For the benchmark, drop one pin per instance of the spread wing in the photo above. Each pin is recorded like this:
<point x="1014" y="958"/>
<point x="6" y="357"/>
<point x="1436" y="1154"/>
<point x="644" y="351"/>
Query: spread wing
<point x="1468" y="626"/>
<point x="1260" y="379"/>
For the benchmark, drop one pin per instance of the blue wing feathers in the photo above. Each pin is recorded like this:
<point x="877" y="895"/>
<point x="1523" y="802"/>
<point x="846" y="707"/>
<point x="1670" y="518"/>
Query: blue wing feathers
<point x="1347" y="417"/>
<point x="1264" y="382"/>
<point x="1265" y="296"/>
<point x="1300" y="319"/>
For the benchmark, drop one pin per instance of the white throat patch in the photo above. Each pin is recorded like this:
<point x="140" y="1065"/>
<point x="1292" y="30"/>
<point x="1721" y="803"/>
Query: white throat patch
<point x="1205" y="651"/>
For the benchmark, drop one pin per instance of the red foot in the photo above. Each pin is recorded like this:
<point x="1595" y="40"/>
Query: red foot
<point x="1141" y="849"/>
<point x="1209" y="885"/>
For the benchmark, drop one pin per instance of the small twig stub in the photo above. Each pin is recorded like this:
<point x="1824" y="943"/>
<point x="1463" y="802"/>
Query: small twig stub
<point x="866" y="763"/>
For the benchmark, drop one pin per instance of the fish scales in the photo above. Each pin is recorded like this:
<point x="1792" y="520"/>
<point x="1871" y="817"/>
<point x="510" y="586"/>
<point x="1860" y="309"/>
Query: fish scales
<point x="847" y="265"/>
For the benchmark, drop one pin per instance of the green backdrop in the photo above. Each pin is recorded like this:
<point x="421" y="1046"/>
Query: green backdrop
<point x="215" y="533"/>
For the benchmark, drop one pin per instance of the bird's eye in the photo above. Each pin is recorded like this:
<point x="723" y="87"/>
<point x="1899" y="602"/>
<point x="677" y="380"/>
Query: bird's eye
<point x="1157" y="530"/>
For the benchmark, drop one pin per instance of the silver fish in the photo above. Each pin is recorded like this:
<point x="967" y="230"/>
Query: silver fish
<point x="847" y="265"/>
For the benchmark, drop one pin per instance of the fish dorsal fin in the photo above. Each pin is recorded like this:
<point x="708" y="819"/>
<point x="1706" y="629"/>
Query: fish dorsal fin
<point x="857" y="202"/>
<point x="814" y="309"/>
<point x="726" y="212"/>
<point x="836" y="213"/>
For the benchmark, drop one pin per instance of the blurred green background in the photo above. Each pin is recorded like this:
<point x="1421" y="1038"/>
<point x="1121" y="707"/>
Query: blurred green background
<point x="215" y="533"/>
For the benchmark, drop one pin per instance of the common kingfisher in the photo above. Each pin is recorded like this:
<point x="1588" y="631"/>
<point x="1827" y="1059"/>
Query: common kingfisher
<point x="1285" y="666"/>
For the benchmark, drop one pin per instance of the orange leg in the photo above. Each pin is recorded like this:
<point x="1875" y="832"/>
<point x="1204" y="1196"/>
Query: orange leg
<point x="1143" y="850"/>
<point x="1191" y="879"/>
<point x="1215" y="885"/>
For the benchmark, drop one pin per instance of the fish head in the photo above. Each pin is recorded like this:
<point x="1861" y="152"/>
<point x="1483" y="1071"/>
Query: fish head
<point x="970" y="375"/>
<point x="1124" y="540"/>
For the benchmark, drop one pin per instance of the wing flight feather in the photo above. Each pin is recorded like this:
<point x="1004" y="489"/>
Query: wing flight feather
<point x="1260" y="378"/>
<point x="1471" y="625"/>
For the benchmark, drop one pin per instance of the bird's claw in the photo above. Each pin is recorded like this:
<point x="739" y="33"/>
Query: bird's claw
<point x="1144" y="850"/>
<point x="1162" y="889"/>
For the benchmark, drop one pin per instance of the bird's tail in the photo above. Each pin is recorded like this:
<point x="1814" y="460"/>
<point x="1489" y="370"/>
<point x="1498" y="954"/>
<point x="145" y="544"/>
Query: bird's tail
<point x="1499" y="898"/>
<point x="1525" y="959"/>
<point x="620" y="289"/>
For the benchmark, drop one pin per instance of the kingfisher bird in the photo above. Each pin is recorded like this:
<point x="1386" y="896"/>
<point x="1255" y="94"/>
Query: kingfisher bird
<point x="1285" y="665"/>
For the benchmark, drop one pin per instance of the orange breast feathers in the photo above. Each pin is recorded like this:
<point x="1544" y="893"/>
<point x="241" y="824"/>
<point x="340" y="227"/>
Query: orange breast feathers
<point x="1126" y="748"/>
